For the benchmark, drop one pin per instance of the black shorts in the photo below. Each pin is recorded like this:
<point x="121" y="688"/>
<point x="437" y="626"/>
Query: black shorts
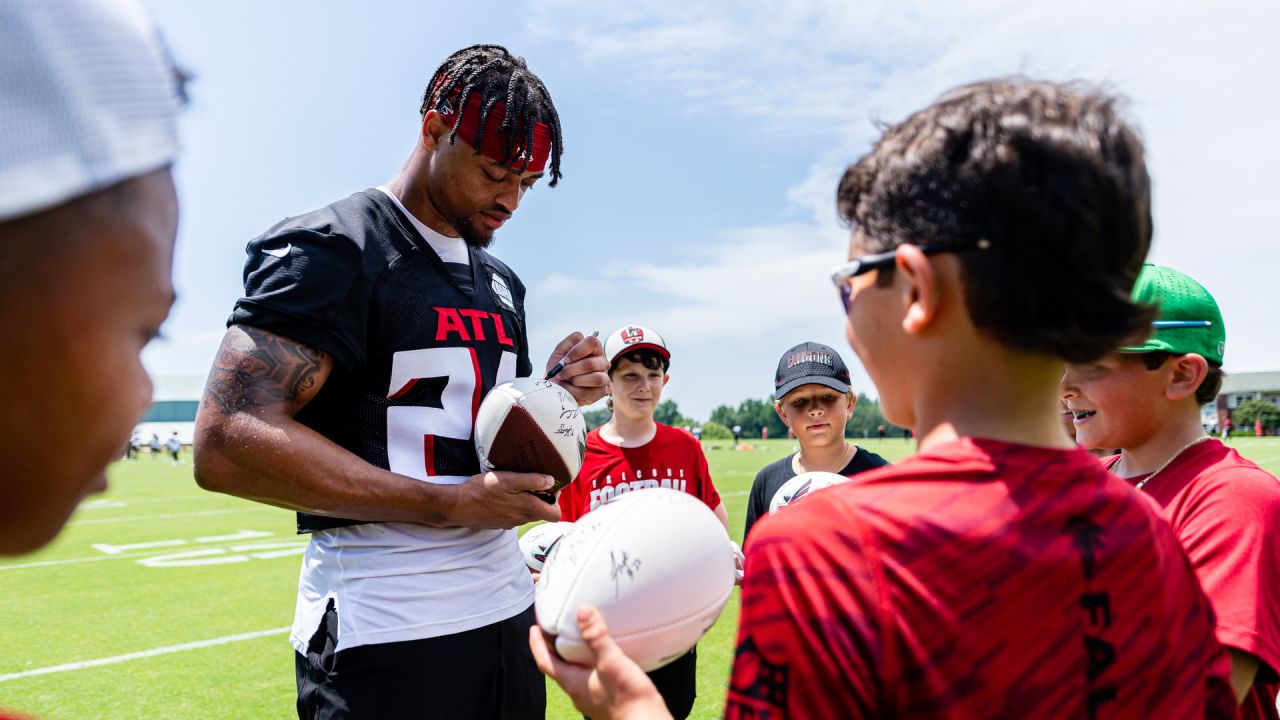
<point x="678" y="684"/>
<point x="487" y="673"/>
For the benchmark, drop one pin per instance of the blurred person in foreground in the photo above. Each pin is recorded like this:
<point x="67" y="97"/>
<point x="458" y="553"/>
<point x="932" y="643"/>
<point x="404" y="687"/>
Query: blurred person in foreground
<point x="88" y="215"/>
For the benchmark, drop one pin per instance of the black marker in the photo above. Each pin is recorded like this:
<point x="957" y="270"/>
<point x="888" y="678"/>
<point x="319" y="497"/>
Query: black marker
<point x="555" y="370"/>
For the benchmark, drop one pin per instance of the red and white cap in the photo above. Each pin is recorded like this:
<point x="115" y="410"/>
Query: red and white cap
<point x="634" y="337"/>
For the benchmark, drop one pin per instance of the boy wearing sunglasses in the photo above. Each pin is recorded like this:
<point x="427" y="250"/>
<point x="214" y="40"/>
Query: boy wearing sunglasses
<point x="1146" y="399"/>
<point x="811" y="387"/>
<point x="1000" y="572"/>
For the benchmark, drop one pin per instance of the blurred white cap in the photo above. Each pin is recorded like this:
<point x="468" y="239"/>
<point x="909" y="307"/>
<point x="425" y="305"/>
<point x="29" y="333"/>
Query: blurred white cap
<point x="88" y="98"/>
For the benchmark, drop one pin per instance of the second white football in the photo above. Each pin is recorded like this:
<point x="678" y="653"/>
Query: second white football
<point x="799" y="487"/>
<point x="656" y="563"/>
<point x="538" y="541"/>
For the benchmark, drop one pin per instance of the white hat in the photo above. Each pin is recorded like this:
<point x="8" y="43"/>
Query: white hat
<point x="634" y="337"/>
<point x="87" y="99"/>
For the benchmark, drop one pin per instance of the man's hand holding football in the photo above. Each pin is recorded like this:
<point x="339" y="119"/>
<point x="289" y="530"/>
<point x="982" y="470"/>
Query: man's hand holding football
<point x="502" y="500"/>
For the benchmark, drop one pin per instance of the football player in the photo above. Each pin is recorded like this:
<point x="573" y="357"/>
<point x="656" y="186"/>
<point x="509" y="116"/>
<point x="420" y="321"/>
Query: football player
<point x="812" y="396"/>
<point x="1146" y="400"/>
<point x="346" y="388"/>
<point x="631" y="452"/>
<point x="1001" y="571"/>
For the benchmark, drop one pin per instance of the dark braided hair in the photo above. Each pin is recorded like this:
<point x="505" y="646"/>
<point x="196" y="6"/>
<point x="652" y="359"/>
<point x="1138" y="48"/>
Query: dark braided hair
<point x="496" y="74"/>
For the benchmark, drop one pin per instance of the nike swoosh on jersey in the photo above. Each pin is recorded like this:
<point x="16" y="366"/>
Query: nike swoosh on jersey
<point x="279" y="251"/>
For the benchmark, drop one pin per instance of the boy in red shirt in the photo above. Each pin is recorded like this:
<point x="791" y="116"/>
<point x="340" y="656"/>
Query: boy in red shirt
<point x="1000" y="572"/>
<point x="1146" y="400"/>
<point x="634" y="452"/>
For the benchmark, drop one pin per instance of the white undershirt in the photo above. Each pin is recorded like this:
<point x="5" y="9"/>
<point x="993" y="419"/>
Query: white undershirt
<point x="450" y="249"/>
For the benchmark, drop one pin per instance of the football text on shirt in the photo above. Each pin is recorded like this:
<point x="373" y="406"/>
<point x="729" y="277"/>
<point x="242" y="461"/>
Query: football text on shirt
<point x="609" y="491"/>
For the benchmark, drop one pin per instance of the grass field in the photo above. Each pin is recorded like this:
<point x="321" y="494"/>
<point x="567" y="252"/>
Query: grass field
<point x="160" y="600"/>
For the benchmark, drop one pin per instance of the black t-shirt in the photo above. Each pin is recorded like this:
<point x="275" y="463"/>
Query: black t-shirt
<point x="414" y="349"/>
<point x="776" y="474"/>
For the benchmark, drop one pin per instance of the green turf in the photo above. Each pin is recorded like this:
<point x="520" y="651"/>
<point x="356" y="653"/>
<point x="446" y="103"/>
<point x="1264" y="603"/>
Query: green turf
<point x="72" y="603"/>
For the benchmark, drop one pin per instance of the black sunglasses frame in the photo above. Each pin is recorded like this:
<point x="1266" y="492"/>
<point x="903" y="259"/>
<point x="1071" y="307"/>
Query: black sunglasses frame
<point x="843" y="273"/>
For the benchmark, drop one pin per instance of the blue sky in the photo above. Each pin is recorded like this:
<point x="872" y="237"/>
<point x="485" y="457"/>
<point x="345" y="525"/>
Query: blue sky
<point x="703" y="143"/>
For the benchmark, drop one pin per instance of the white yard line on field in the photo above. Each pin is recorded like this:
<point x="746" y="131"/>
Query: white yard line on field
<point x="105" y="503"/>
<point x="165" y="516"/>
<point x="83" y="664"/>
<point x="98" y="558"/>
<point x="739" y="493"/>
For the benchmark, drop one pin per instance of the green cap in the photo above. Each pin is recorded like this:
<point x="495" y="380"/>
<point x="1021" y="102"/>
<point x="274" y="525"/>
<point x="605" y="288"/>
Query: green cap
<point x="1188" y="321"/>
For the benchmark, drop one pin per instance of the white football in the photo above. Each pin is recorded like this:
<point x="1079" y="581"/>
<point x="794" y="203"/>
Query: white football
<point x="799" y="487"/>
<point x="656" y="563"/>
<point x="538" y="541"/>
<point x="531" y="425"/>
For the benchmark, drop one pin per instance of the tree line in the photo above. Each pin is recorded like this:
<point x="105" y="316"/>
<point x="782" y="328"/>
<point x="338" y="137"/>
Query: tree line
<point x="754" y="416"/>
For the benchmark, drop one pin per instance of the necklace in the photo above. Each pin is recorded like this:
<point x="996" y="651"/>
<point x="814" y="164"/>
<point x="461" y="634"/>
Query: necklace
<point x="849" y="451"/>
<point x="1116" y="467"/>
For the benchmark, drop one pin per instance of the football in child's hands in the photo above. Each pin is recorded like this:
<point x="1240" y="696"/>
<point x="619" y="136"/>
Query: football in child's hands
<point x="656" y="563"/>
<point x="800" y="486"/>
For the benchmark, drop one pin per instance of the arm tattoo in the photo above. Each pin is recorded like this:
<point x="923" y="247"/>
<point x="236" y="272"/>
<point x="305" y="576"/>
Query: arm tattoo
<point x="257" y="369"/>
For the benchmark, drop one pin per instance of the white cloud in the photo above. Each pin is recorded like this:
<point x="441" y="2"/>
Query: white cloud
<point x="1199" y="76"/>
<point x="182" y="352"/>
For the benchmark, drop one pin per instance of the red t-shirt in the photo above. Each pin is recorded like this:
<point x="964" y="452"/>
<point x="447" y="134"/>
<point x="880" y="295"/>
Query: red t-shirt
<point x="979" y="579"/>
<point x="1225" y="510"/>
<point x="672" y="459"/>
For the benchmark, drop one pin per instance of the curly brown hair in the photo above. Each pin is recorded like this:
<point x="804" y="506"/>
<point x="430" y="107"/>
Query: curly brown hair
<point x="1051" y="176"/>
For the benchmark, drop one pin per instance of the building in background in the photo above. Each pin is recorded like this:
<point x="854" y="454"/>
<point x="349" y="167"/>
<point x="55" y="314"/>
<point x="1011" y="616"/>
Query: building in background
<point x="1238" y="387"/>
<point x="173" y="408"/>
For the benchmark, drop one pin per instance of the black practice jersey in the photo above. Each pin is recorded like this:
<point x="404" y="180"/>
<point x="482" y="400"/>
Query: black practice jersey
<point x="774" y="475"/>
<point x="414" y="349"/>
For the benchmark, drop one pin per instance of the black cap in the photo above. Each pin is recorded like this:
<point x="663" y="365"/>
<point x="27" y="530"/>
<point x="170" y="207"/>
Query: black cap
<point x="810" y="363"/>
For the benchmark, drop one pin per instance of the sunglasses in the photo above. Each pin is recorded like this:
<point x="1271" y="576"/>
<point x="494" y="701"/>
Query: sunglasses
<point x="842" y="274"/>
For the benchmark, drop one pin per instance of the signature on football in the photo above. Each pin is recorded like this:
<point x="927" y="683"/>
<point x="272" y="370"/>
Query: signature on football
<point x="622" y="565"/>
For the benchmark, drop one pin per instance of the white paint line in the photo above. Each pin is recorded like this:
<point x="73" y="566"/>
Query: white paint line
<point x="219" y="556"/>
<point x="108" y="549"/>
<point x="83" y="664"/>
<point x="107" y="504"/>
<point x="238" y="535"/>
<point x="78" y="560"/>
<point x="99" y="504"/>
<point x="739" y="493"/>
<point x="166" y="516"/>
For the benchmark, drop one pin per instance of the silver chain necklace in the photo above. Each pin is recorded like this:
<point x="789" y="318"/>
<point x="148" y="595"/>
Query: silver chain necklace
<point x="849" y="451"/>
<point x="1116" y="467"/>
